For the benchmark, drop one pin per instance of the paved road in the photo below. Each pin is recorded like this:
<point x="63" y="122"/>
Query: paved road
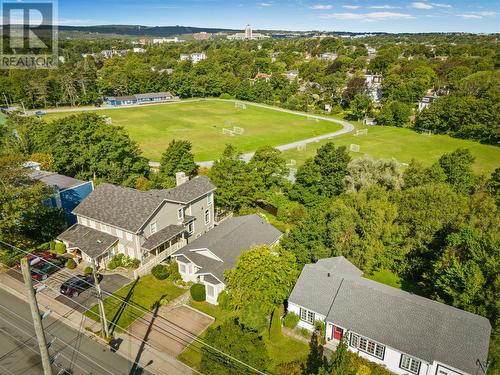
<point x="19" y="350"/>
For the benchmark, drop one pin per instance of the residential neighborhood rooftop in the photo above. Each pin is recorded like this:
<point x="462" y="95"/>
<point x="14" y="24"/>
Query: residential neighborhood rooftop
<point x="162" y="236"/>
<point x="56" y="180"/>
<point x="88" y="240"/>
<point x="415" y="325"/>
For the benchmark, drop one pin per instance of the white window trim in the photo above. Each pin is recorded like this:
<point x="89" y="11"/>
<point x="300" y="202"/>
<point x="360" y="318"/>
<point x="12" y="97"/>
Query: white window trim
<point x="307" y="316"/>
<point x="105" y="228"/>
<point x="180" y="213"/>
<point x="84" y="222"/>
<point x="411" y="361"/>
<point x="152" y="228"/>
<point x="119" y="233"/>
<point x="191" y="224"/>
<point x="209" y="217"/>
<point x="182" y="265"/>
<point x="210" y="198"/>
<point x="207" y="286"/>
<point x="355" y="342"/>
<point x="130" y="237"/>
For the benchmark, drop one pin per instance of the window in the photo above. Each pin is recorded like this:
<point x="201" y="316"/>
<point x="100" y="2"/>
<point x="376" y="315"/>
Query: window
<point x="84" y="222"/>
<point x="410" y="364"/>
<point x="207" y="217"/>
<point x="367" y="346"/>
<point x="92" y="224"/>
<point x="119" y="233"/>
<point x="210" y="290"/>
<point x="105" y="228"/>
<point x="191" y="228"/>
<point x="306" y="315"/>
<point x="210" y="198"/>
<point x="182" y="268"/>
<point x="129" y="236"/>
<point x="152" y="228"/>
<point x="180" y="213"/>
<point x="121" y="248"/>
<point x="131" y="252"/>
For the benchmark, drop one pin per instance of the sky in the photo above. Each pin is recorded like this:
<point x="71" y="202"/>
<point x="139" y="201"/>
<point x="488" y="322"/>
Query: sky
<point x="324" y="15"/>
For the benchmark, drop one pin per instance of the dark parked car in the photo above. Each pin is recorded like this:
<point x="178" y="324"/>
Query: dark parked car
<point x="44" y="269"/>
<point x="76" y="285"/>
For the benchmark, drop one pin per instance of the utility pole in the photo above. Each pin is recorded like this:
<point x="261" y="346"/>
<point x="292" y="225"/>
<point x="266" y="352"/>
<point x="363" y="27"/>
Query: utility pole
<point x="102" y="312"/>
<point x="37" y="320"/>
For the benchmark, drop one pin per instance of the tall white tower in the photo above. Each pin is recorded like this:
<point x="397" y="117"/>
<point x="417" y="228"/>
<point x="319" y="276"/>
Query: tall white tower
<point x="248" y="32"/>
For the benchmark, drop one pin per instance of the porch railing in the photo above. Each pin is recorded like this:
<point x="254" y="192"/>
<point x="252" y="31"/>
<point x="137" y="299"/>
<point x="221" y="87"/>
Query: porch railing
<point x="152" y="261"/>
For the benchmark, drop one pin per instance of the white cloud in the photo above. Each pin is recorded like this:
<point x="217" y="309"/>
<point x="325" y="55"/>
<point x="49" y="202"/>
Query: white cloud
<point x="421" y="5"/>
<point x="441" y="5"/>
<point x="321" y="7"/>
<point x="469" y="16"/>
<point x="367" y="16"/>
<point x="477" y="15"/>
<point x="351" y="6"/>
<point x="382" y="7"/>
<point x="266" y="5"/>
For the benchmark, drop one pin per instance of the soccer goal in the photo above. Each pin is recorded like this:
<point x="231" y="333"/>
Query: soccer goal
<point x="354" y="147"/>
<point x="310" y="118"/>
<point x="238" y="130"/>
<point x="361" y="132"/>
<point x="291" y="163"/>
<point x="239" y="105"/>
<point x="227" y="132"/>
<point x="301" y="147"/>
<point x="426" y="132"/>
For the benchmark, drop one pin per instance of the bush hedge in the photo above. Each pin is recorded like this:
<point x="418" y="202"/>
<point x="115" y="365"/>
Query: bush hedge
<point x="275" y="327"/>
<point x="71" y="264"/>
<point x="88" y="270"/>
<point x="60" y="248"/>
<point x="198" y="292"/>
<point x="160" y="272"/>
<point x="291" y="320"/>
<point x="122" y="260"/>
<point x="52" y="245"/>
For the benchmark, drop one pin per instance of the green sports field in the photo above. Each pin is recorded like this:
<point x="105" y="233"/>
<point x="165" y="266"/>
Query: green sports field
<point x="386" y="142"/>
<point x="201" y="122"/>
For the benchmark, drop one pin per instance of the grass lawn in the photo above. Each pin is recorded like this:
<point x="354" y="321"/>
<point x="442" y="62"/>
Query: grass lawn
<point x="143" y="292"/>
<point x="285" y="350"/>
<point x="201" y="122"/>
<point x="386" y="142"/>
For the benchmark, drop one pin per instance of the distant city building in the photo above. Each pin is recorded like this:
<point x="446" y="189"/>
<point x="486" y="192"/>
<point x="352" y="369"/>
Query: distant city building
<point x="292" y="75"/>
<point x="247" y="35"/>
<point x="194" y="57"/>
<point x="274" y="56"/>
<point x="263" y="76"/>
<point x="329" y="56"/>
<point x="166" y="40"/>
<point x="202" y="36"/>
<point x="138" y="50"/>
<point x="373" y="86"/>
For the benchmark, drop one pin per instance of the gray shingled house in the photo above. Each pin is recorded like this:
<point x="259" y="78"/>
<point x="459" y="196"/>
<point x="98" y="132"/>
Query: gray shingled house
<point x="145" y="225"/>
<point x="205" y="259"/>
<point x="406" y="333"/>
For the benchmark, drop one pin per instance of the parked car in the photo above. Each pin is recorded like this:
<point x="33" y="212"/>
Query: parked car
<point x="40" y="113"/>
<point x="33" y="259"/>
<point x="44" y="269"/>
<point x="76" y="285"/>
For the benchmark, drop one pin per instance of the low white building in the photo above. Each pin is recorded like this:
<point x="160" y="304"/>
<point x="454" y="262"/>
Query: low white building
<point x="426" y="102"/>
<point x="205" y="259"/>
<point x="166" y="40"/>
<point x="138" y="50"/>
<point x="406" y="333"/>
<point x="329" y="56"/>
<point x="194" y="57"/>
<point x="373" y="84"/>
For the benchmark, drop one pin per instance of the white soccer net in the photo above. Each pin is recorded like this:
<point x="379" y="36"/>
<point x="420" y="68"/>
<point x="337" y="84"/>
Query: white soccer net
<point x="361" y="132"/>
<point x="310" y="118"/>
<point x="301" y="147"/>
<point x="238" y="130"/>
<point x="227" y="132"/>
<point x="239" y="105"/>
<point x="291" y="163"/>
<point x="354" y="148"/>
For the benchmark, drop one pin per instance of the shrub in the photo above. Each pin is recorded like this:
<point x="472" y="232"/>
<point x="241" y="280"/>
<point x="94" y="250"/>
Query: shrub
<point x="112" y="264"/>
<point x="275" y="328"/>
<point x="52" y="245"/>
<point x="122" y="260"/>
<point x="60" y="248"/>
<point x="291" y="320"/>
<point x="160" y="272"/>
<point x="290" y="368"/>
<point x="224" y="301"/>
<point x="88" y="270"/>
<point x="225" y="95"/>
<point x="305" y="333"/>
<point x="173" y="271"/>
<point x="198" y="292"/>
<point x="71" y="264"/>
<point x="43" y="247"/>
<point x="253" y="317"/>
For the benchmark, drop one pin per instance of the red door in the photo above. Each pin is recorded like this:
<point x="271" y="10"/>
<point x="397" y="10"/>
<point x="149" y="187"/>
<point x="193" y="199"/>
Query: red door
<point x="337" y="333"/>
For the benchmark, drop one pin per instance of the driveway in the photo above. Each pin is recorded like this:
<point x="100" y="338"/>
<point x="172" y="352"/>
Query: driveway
<point x="173" y="333"/>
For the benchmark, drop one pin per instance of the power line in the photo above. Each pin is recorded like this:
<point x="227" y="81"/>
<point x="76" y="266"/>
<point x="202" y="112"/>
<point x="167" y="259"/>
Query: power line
<point x="143" y="310"/>
<point x="121" y="328"/>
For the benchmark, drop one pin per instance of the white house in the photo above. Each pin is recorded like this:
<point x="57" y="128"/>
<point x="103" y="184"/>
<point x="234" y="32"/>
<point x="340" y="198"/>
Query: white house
<point x="197" y="57"/>
<point x="373" y="86"/>
<point x="138" y="50"/>
<point x="426" y="101"/>
<point x="205" y="259"/>
<point x="406" y="333"/>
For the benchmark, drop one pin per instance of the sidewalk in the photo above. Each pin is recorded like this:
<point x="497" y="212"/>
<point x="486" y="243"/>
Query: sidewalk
<point x="131" y="348"/>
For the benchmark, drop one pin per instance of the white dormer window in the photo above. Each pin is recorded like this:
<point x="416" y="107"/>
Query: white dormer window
<point x="152" y="228"/>
<point x="105" y="228"/>
<point x="180" y="213"/>
<point x="210" y="198"/>
<point x="84" y="222"/>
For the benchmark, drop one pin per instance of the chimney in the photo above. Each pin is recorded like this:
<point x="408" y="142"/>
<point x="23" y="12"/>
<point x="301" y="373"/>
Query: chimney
<point x="180" y="178"/>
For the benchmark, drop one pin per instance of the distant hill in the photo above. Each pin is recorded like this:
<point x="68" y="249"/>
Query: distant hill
<point x="138" y="30"/>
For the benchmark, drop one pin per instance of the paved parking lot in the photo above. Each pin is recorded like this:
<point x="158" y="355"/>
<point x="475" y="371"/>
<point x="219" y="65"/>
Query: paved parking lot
<point x="109" y="283"/>
<point x="173" y="333"/>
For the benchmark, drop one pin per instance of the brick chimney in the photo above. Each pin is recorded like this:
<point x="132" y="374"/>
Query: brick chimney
<point x="180" y="178"/>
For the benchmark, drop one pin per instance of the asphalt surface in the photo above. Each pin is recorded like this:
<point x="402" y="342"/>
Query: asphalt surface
<point x="19" y="352"/>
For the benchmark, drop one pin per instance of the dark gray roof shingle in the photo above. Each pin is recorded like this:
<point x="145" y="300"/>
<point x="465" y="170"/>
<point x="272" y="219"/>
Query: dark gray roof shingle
<point x="56" y="180"/>
<point x="162" y="236"/>
<point x="90" y="241"/>
<point x="129" y="209"/>
<point x="227" y="241"/>
<point x="418" y="326"/>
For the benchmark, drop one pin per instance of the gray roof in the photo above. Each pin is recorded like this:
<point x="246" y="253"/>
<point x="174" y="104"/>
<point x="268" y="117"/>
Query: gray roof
<point x="227" y="241"/>
<point x="90" y="241"/>
<point x="56" y="180"/>
<point x="125" y="97"/>
<point x="129" y="209"/>
<point x="153" y="95"/>
<point x="162" y="236"/>
<point x="414" y="325"/>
